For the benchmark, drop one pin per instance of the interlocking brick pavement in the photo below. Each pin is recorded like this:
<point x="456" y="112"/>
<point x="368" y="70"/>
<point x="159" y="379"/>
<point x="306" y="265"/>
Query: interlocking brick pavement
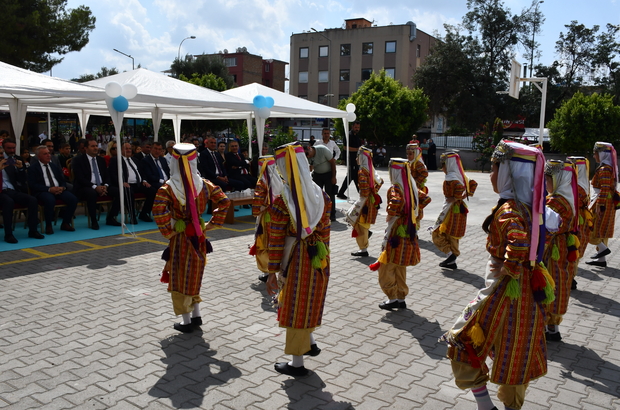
<point x="92" y="328"/>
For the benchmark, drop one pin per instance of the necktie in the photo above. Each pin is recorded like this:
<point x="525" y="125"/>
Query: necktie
<point x="130" y="162"/>
<point x="49" y="175"/>
<point x="217" y="163"/>
<point x="161" y="171"/>
<point x="1" y="180"/>
<point x="96" y="172"/>
<point x="243" y="170"/>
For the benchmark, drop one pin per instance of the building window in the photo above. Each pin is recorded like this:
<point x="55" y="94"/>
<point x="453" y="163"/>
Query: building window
<point x="418" y="51"/>
<point x="323" y="51"/>
<point x="366" y="48"/>
<point x="303" y="52"/>
<point x="390" y="72"/>
<point x="303" y="76"/>
<point x="390" y="46"/>
<point x="266" y="68"/>
<point x="323" y="76"/>
<point x="342" y="97"/>
<point x="366" y="73"/>
<point x="230" y="61"/>
<point x="323" y="99"/>
<point x="344" y="75"/>
<point x="235" y="78"/>
<point x="345" y="49"/>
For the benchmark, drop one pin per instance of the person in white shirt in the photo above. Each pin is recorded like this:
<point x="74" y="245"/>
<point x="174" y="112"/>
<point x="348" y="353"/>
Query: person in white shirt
<point x="329" y="143"/>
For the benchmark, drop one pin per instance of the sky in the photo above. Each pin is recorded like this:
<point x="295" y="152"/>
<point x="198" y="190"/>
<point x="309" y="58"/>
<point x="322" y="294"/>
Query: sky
<point x="151" y="31"/>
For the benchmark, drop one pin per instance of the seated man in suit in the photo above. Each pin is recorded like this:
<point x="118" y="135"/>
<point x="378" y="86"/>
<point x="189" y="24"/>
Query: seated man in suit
<point x="212" y="167"/>
<point x="12" y="182"/>
<point x="237" y="166"/>
<point x="133" y="182"/>
<point x="91" y="181"/>
<point x="155" y="166"/>
<point x="47" y="184"/>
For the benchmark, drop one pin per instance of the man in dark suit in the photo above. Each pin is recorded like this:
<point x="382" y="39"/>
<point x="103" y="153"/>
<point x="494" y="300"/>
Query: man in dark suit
<point x="237" y="166"/>
<point x="92" y="181"/>
<point x="212" y="167"/>
<point x="155" y="166"/>
<point x="47" y="184"/>
<point x="12" y="182"/>
<point x="133" y="182"/>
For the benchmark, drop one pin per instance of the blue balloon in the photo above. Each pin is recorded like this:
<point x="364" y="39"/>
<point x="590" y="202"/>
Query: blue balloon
<point x="120" y="104"/>
<point x="268" y="102"/>
<point x="259" y="101"/>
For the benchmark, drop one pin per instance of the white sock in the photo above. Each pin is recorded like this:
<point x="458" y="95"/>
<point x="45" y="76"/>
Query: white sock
<point x="483" y="400"/>
<point x="312" y="341"/>
<point x="364" y="250"/>
<point x="298" y="361"/>
<point x="187" y="318"/>
<point x="449" y="254"/>
<point x="196" y="311"/>
<point x="392" y="300"/>
<point x="400" y="300"/>
<point x="601" y="259"/>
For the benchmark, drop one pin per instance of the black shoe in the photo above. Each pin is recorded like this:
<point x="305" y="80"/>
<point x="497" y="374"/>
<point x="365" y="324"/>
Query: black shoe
<point x="184" y="328"/>
<point x="289" y="370"/>
<point x="67" y="227"/>
<point x="553" y="337"/>
<point x="573" y="285"/>
<point x="112" y="222"/>
<point x="263" y="277"/>
<point x="35" y="235"/>
<point x="369" y="234"/>
<point x="314" y="351"/>
<point x="145" y="218"/>
<point x="341" y="196"/>
<point x="197" y="321"/>
<point x="389" y="306"/>
<point x="402" y="305"/>
<point x="94" y="225"/>
<point x="360" y="253"/>
<point x="449" y="260"/>
<point x="10" y="239"/>
<point x="600" y="254"/>
<point x="597" y="263"/>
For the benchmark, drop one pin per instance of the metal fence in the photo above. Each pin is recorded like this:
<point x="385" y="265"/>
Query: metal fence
<point x="451" y="141"/>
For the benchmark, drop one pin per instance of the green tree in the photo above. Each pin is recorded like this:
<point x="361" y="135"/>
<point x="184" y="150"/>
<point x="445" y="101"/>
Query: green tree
<point x="389" y="112"/>
<point x="485" y="141"/>
<point x="104" y="72"/>
<point x="202" y="65"/>
<point x="35" y="31"/>
<point x="583" y="120"/>
<point x="210" y="81"/>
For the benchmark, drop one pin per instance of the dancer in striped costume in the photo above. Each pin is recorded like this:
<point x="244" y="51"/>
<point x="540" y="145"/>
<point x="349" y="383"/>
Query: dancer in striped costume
<point x="177" y="209"/>
<point x="506" y="319"/>
<point x="561" y="250"/>
<point x="584" y="220"/>
<point x="299" y="253"/>
<point x="419" y="173"/>
<point x="604" y="201"/>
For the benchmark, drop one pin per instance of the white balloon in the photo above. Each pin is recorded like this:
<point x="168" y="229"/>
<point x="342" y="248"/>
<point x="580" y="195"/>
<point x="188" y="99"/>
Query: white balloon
<point x="113" y="89"/>
<point x="129" y="91"/>
<point x="351" y="116"/>
<point x="350" y="107"/>
<point x="264" y="112"/>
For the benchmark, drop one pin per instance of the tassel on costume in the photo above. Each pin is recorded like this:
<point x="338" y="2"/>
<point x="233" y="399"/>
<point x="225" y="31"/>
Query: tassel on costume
<point x="316" y="262"/>
<point x="538" y="281"/>
<point x="322" y="250"/>
<point x="259" y="230"/>
<point x="252" y="250"/>
<point x="402" y="231"/>
<point x="267" y="217"/>
<point x="473" y="357"/>
<point x="581" y="221"/>
<point x="165" y="277"/>
<point x="209" y="246"/>
<point x="374" y="266"/>
<point x="577" y="241"/>
<point x="464" y="209"/>
<point x="179" y="226"/>
<point x="477" y="335"/>
<point x="456" y="209"/>
<point x="354" y="234"/>
<point x="573" y="252"/>
<point x="555" y="252"/>
<point x="513" y="290"/>
<point x="165" y="255"/>
<point x="394" y="241"/>
<point x="383" y="257"/>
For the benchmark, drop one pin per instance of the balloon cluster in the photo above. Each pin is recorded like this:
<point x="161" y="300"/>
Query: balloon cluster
<point x="120" y="95"/>
<point x="262" y="106"/>
<point x="351" y="112"/>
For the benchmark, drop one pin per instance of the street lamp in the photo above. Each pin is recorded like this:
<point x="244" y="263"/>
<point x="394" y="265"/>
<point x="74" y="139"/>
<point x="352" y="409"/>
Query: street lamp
<point x="329" y="65"/>
<point x="186" y="38"/>
<point x="126" y="55"/>
<point x="533" y="35"/>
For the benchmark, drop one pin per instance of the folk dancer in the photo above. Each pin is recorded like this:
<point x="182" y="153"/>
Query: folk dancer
<point x="419" y="172"/>
<point x="452" y="221"/>
<point x="177" y="209"/>
<point x="400" y="244"/>
<point x="584" y="220"/>
<point x="506" y="319"/>
<point x="363" y="212"/>
<point x="299" y="253"/>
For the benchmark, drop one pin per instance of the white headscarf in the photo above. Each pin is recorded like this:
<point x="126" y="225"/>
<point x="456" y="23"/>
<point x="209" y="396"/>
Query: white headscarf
<point x="303" y="198"/>
<point x="515" y="180"/>
<point x="364" y="159"/>
<point x="607" y="155"/>
<point x="269" y="175"/>
<point x="175" y="181"/>
<point x="583" y="178"/>
<point x="562" y="175"/>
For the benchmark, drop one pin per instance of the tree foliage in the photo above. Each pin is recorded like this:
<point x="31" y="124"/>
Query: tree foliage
<point x="206" y="80"/>
<point x="485" y="141"/>
<point x="583" y="120"/>
<point x="201" y="66"/>
<point x="104" y="72"/>
<point x="36" y="32"/>
<point x="389" y="112"/>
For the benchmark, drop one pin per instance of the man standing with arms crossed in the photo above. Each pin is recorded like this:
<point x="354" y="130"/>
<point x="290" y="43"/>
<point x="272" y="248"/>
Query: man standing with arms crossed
<point x="354" y="144"/>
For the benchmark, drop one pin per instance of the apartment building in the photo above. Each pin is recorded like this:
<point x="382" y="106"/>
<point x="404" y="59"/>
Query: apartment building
<point x="330" y="65"/>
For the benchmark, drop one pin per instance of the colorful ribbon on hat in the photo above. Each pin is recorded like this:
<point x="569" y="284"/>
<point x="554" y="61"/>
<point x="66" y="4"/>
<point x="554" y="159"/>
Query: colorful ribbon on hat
<point x="264" y="163"/>
<point x="572" y="168"/>
<point x="289" y="152"/>
<point x="188" y="185"/>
